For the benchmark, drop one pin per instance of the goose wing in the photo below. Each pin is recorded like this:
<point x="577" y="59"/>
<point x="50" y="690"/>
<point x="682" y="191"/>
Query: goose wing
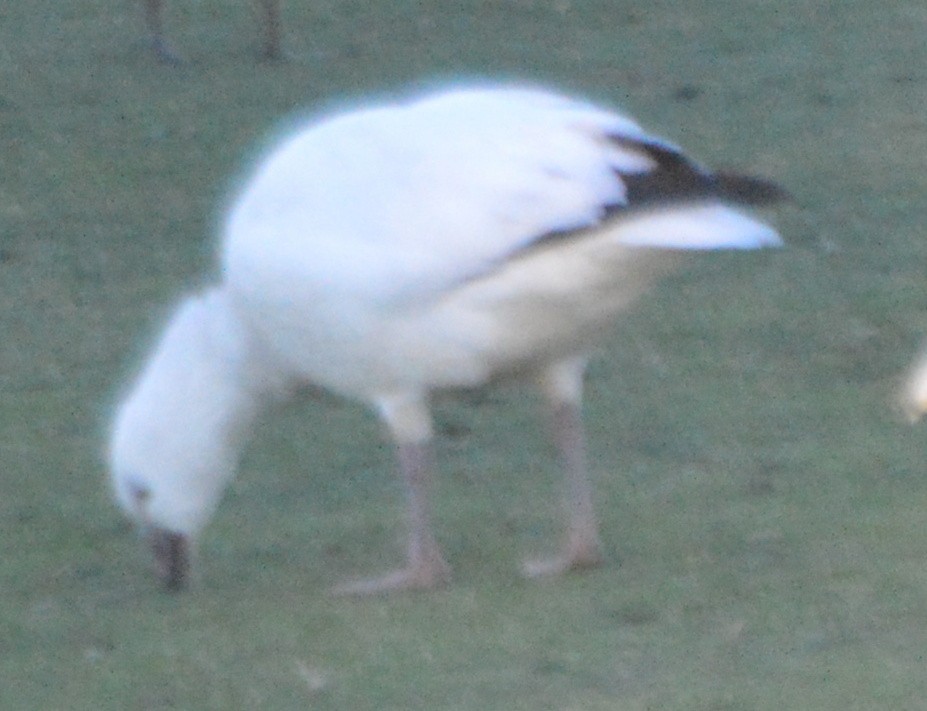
<point x="408" y="200"/>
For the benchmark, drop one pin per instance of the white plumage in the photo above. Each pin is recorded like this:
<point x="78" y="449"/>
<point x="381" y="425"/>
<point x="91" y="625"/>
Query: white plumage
<point x="400" y="249"/>
<point x="913" y="396"/>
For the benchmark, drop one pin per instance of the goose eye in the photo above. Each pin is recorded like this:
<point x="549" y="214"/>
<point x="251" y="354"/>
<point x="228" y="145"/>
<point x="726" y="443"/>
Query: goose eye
<point x="140" y="493"/>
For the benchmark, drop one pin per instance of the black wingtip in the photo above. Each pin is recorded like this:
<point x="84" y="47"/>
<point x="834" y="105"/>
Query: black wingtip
<point x="749" y="189"/>
<point x="675" y="177"/>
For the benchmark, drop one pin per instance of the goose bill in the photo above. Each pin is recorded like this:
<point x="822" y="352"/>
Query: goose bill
<point x="172" y="557"/>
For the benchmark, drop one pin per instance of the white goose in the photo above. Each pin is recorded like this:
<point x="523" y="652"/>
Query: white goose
<point x="914" y="393"/>
<point x="404" y="248"/>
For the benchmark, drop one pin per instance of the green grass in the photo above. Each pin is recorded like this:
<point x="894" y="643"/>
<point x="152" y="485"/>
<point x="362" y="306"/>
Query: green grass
<point x="764" y="509"/>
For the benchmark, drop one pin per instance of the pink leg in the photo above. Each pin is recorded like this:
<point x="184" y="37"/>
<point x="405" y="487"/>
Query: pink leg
<point x="273" y="29"/>
<point x="582" y="548"/>
<point x="154" y="21"/>
<point x="425" y="567"/>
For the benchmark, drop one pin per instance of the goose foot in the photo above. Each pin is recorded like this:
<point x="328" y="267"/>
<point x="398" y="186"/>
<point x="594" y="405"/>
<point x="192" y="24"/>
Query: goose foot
<point x="578" y="555"/>
<point x="427" y="575"/>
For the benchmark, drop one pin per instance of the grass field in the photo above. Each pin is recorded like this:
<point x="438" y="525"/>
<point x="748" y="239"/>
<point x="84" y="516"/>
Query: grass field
<point x="764" y="507"/>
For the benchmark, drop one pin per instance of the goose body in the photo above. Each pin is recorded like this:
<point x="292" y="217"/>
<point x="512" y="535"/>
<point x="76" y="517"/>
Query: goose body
<point x="403" y="248"/>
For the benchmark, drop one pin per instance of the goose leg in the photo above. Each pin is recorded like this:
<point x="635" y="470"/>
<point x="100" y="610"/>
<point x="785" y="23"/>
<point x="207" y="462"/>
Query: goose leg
<point x="154" y="21"/>
<point x="272" y="29"/>
<point x="562" y="386"/>
<point x="425" y="567"/>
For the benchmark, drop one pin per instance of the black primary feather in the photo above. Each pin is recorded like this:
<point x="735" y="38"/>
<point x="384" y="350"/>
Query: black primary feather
<point x="676" y="178"/>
